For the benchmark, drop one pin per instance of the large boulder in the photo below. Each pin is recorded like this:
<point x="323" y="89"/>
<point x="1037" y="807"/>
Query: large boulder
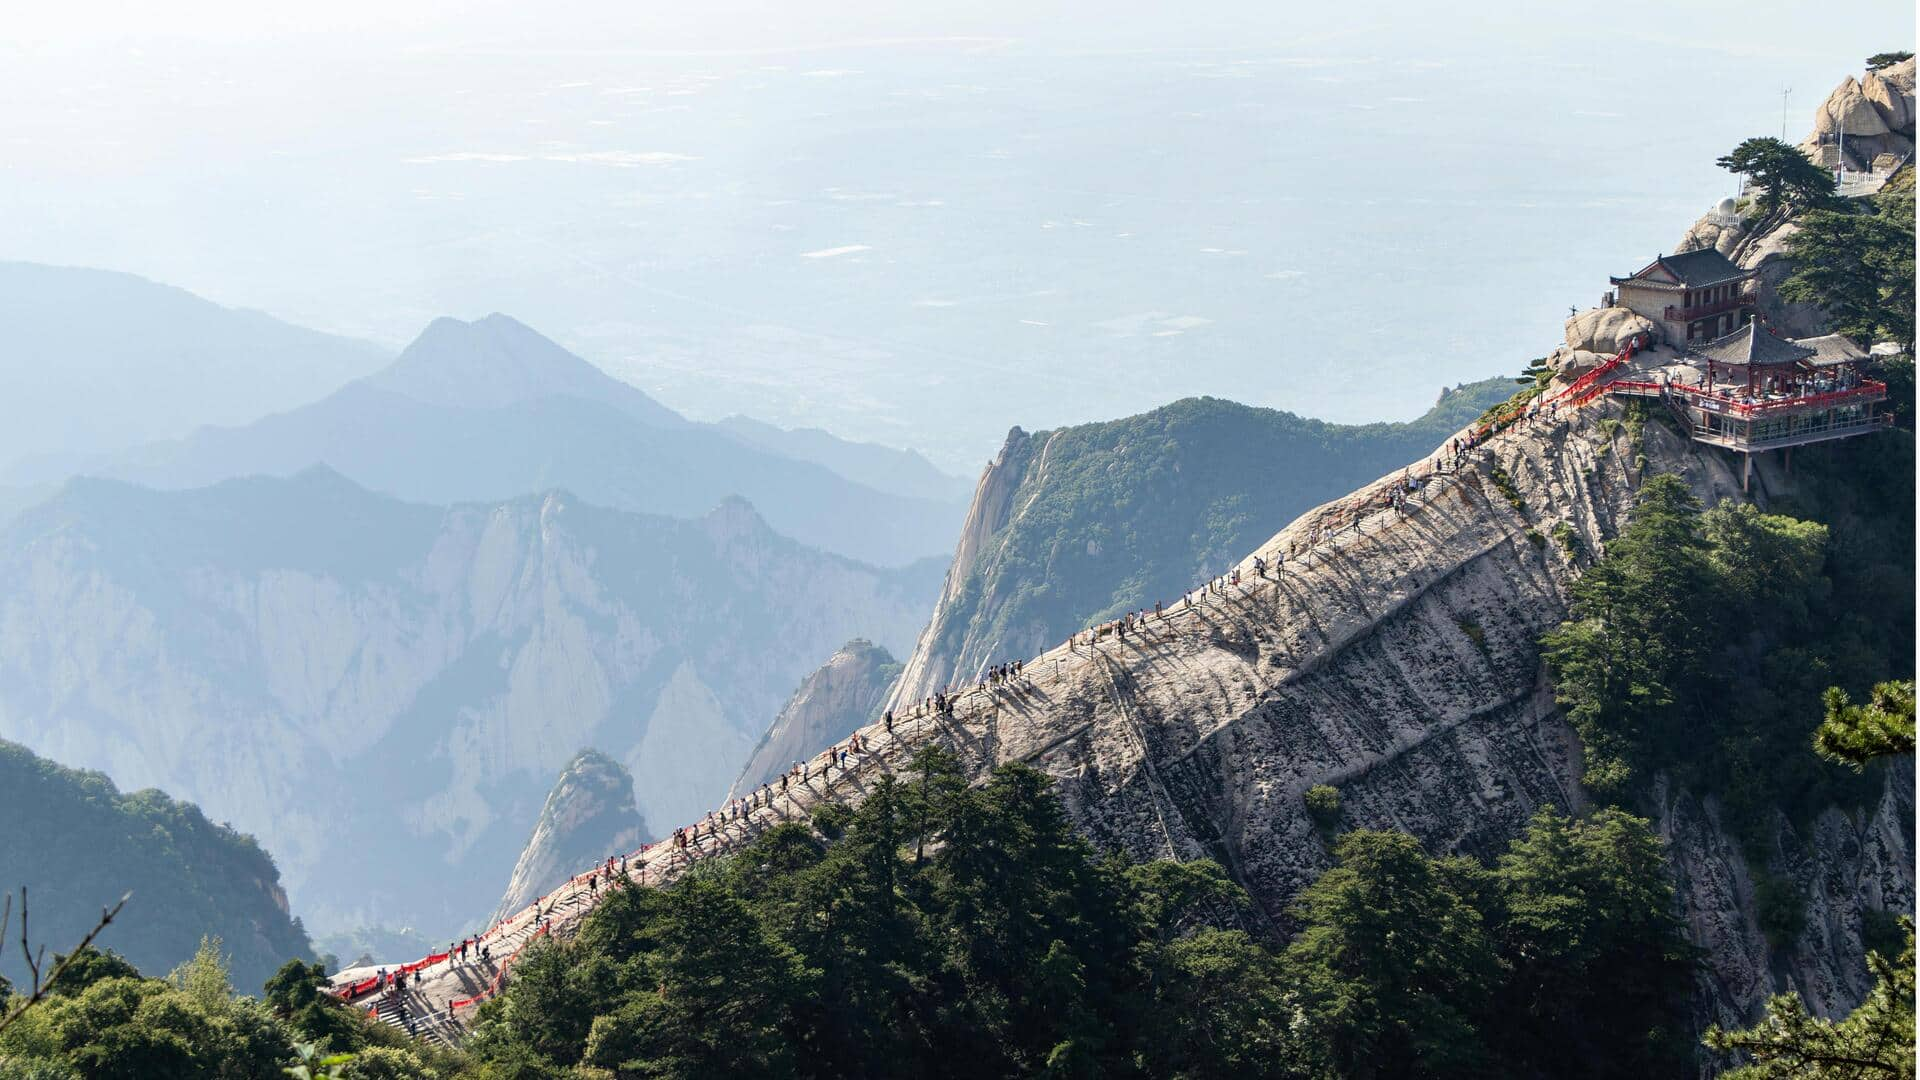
<point x="1569" y="364"/>
<point x="1876" y="114"/>
<point x="1767" y="256"/>
<point x="1894" y="104"/>
<point x="1714" y="230"/>
<point x="1605" y="330"/>
<point x="1847" y="110"/>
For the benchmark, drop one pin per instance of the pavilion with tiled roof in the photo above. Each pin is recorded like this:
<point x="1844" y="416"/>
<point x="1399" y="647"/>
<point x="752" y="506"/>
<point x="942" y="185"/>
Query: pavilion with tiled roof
<point x="1833" y="350"/>
<point x="1751" y="354"/>
<point x="1755" y="391"/>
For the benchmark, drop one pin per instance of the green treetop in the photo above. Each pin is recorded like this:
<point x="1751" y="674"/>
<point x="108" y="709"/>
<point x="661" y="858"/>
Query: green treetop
<point x="1785" y="177"/>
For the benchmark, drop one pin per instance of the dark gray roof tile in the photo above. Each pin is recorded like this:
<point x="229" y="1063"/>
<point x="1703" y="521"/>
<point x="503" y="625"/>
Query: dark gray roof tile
<point x="1695" y="269"/>
<point x="1750" y="345"/>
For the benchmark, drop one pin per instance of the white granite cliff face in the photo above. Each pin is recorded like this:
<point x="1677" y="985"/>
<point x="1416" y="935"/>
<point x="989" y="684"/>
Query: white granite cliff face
<point x="936" y="661"/>
<point x="1401" y="666"/>
<point x="1404" y="670"/>
<point x="383" y="694"/>
<point x="588" y="816"/>
<point x="1081" y="523"/>
<point x="844" y="694"/>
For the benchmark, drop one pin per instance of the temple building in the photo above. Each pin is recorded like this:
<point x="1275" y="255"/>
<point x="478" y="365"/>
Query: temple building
<point x="1694" y="296"/>
<point x="1751" y="391"/>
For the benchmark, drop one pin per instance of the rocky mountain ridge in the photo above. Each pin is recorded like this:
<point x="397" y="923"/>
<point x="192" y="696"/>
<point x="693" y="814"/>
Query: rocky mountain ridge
<point x="1395" y="658"/>
<point x="1402" y="668"/>
<point x="254" y="643"/>
<point x="1072" y="526"/>
<point x="490" y="410"/>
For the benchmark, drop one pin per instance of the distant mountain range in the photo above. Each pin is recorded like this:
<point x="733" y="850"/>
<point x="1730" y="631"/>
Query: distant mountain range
<point x="77" y="844"/>
<point x="490" y="410"/>
<point x="383" y="691"/>
<point x="113" y="375"/>
<point x="96" y="361"/>
<point x="901" y="472"/>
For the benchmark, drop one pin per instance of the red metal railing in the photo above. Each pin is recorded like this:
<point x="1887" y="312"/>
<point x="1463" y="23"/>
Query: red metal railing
<point x="364" y="986"/>
<point x="1724" y="403"/>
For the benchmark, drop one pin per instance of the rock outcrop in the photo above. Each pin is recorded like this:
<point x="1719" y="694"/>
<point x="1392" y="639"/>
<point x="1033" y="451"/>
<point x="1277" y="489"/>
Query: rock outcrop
<point x="1875" y="113"/>
<point x="1605" y="331"/>
<point x="1767" y="256"/>
<point x="1721" y="230"/>
<point x="930" y="665"/>
<point x="589" y="815"/>
<point x="843" y="695"/>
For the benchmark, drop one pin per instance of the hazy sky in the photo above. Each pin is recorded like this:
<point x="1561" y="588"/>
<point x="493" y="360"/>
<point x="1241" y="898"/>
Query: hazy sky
<point x="909" y="224"/>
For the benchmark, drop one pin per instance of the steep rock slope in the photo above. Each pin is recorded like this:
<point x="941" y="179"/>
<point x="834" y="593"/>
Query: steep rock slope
<point x="1072" y="526"/>
<point x="383" y="691"/>
<point x="1401" y="666"/>
<point x="588" y="815"/>
<point x="77" y="844"/>
<point x="842" y="695"/>
<point x="96" y="361"/>
<point x="491" y="410"/>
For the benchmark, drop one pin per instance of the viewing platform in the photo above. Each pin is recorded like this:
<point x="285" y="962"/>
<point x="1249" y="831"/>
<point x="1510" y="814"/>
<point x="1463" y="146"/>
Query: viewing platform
<point x="1752" y="391"/>
<point x="1726" y="416"/>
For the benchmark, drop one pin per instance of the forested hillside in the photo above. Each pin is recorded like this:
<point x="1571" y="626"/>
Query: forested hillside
<point x="1073" y="526"/>
<point x="76" y="843"/>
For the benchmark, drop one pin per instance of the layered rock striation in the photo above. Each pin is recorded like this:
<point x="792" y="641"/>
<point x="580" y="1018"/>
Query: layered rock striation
<point x="1075" y="525"/>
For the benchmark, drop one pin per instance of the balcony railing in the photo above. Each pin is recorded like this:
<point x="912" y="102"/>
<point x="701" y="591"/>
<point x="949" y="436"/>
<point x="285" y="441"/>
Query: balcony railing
<point x="1675" y="313"/>
<point x="1865" y="392"/>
